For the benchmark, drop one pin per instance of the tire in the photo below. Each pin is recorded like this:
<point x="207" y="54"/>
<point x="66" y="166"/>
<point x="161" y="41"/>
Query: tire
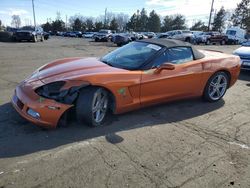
<point x="188" y="40"/>
<point x="216" y="87"/>
<point x="119" y="44"/>
<point x="223" y="42"/>
<point x="34" y="38"/>
<point x="88" y="107"/>
<point x="96" y="40"/>
<point x="42" y="38"/>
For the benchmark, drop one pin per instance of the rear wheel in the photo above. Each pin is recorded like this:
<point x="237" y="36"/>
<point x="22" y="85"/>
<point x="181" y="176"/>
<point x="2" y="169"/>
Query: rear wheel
<point x="216" y="87"/>
<point x="223" y="42"/>
<point x="92" y="106"/>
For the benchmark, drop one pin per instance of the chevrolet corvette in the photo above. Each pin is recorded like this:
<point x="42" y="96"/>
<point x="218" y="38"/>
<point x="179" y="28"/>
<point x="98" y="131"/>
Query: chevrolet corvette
<point x="139" y="74"/>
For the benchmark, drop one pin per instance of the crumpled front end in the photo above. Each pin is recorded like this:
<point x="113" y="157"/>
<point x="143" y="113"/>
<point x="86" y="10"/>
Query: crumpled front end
<point x="37" y="109"/>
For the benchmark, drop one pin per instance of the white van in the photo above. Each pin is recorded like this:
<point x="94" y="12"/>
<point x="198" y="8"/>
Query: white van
<point x="236" y="35"/>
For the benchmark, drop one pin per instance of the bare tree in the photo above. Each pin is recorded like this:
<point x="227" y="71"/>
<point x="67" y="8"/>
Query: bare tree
<point x="122" y="20"/>
<point x="16" y="21"/>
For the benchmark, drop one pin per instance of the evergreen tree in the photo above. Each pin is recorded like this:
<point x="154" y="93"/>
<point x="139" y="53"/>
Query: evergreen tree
<point x="143" y="20"/>
<point x="176" y="22"/>
<point x="113" y="25"/>
<point x="77" y="25"/>
<point x="219" y="20"/>
<point x="241" y="16"/>
<point x="98" y="26"/>
<point x="132" y="23"/>
<point x="199" y="26"/>
<point x="154" y="22"/>
<point x="47" y="27"/>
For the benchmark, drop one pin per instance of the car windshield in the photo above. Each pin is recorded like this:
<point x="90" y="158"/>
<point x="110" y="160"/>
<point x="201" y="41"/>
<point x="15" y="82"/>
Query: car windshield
<point x="131" y="56"/>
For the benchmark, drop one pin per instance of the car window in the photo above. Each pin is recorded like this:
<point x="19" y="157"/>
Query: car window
<point x="163" y="58"/>
<point x="131" y="56"/>
<point x="179" y="55"/>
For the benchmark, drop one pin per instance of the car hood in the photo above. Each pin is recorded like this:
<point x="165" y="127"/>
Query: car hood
<point x="244" y="50"/>
<point x="73" y="68"/>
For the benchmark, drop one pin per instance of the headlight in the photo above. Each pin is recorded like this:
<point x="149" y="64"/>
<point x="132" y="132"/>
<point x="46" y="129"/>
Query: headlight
<point x="51" y="90"/>
<point x="62" y="91"/>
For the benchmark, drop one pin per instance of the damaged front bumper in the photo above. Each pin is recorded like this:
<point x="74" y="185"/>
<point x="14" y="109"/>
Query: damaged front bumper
<point x="36" y="109"/>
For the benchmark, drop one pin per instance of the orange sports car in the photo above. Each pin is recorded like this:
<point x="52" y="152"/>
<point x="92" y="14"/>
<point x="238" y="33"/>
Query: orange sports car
<point x="139" y="74"/>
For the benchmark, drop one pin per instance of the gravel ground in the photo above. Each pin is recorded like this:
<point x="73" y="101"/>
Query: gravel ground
<point x="182" y="144"/>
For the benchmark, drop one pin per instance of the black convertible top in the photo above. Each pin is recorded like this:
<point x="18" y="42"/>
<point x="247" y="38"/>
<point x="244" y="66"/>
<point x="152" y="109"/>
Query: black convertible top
<point x="169" y="43"/>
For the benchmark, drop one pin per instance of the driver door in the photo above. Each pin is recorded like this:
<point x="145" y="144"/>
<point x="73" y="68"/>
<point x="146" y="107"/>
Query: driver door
<point x="184" y="81"/>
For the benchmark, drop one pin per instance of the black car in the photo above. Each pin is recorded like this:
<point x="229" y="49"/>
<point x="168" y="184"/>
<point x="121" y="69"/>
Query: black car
<point x="124" y="38"/>
<point x="33" y="35"/>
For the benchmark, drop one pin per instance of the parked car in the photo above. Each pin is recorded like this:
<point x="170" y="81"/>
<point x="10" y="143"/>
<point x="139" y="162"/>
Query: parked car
<point x="46" y="35"/>
<point x="103" y="35"/>
<point x="78" y="34"/>
<point x="163" y="35"/>
<point x="66" y="34"/>
<point x="212" y="37"/>
<point x="124" y="38"/>
<point x="150" y="35"/>
<point x="34" y="35"/>
<point x="72" y="34"/>
<point x="236" y="35"/>
<point x="88" y="34"/>
<point x="130" y="77"/>
<point x="244" y="53"/>
<point x="183" y="35"/>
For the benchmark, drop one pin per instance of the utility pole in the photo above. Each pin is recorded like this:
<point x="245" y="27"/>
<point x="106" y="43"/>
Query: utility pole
<point x="210" y="16"/>
<point x="34" y="15"/>
<point x="66" y="23"/>
<point x="105" y="18"/>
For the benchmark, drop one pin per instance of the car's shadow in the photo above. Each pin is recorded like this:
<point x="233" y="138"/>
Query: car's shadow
<point x="19" y="137"/>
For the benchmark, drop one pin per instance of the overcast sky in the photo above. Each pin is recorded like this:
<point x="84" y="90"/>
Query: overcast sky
<point x="45" y="9"/>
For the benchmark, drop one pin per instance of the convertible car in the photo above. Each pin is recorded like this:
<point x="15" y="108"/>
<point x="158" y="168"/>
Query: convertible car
<point x="139" y="74"/>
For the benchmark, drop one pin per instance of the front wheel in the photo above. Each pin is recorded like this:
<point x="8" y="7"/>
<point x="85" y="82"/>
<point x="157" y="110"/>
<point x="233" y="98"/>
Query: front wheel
<point x="42" y="38"/>
<point x="216" y="87"/>
<point x="34" y="38"/>
<point x="92" y="106"/>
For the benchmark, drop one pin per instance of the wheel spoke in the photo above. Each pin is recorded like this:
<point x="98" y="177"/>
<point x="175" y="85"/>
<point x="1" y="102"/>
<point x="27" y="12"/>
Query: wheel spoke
<point x="212" y="84"/>
<point x="223" y="85"/>
<point x="219" y="79"/>
<point x="99" y="107"/>
<point x="213" y="92"/>
<point x="218" y="93"/>
<point x="97" y="115"/>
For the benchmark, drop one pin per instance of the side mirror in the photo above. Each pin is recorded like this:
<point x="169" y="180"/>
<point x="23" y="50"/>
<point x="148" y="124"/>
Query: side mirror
<point x="165" y="66"/>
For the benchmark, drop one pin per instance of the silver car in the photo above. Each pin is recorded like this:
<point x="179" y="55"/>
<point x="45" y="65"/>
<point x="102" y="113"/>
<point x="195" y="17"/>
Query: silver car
<point x="183" y="35"/>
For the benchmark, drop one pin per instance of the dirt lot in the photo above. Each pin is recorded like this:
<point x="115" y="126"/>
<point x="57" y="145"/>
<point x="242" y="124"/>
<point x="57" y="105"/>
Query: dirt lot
<point x="183" y="144"/>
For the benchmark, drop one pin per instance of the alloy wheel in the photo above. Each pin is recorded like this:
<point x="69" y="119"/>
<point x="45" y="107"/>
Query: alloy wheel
<point x="217" y="87"/>
<point x="99" y="105"/>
